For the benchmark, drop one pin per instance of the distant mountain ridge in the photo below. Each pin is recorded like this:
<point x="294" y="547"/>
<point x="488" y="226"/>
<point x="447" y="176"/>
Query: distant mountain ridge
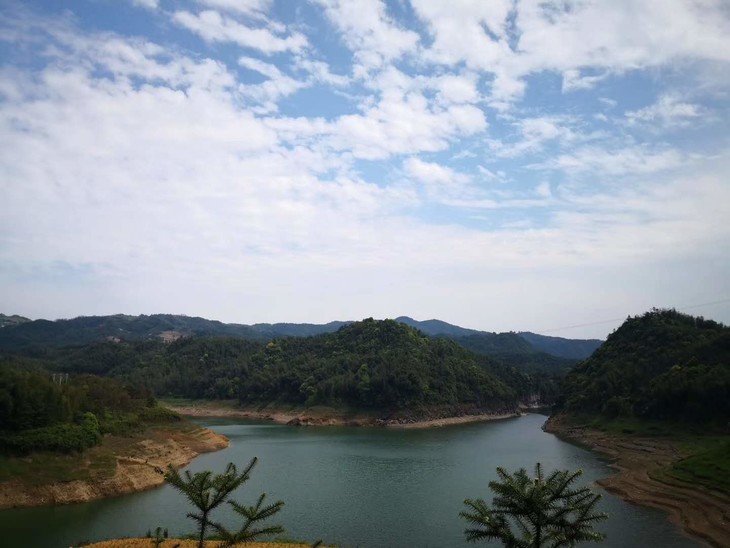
<point x="19" y="333"/>
<point x="575" y="349"/>
<point x="12" y="320"/>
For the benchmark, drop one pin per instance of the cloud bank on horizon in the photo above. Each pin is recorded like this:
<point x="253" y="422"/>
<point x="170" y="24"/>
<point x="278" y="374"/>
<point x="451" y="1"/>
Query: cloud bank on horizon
<point x="502" y="165"/>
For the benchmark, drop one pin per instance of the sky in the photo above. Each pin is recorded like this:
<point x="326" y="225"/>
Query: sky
<point x="505" y="165"/>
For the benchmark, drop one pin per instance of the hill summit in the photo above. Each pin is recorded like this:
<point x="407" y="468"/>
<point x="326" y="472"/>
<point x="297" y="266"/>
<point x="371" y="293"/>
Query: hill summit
<point x="661" y="365"/>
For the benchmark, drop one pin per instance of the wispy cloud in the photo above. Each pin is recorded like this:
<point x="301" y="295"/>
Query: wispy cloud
<point x="667" y="111"/>
<point x="214" y="27"/>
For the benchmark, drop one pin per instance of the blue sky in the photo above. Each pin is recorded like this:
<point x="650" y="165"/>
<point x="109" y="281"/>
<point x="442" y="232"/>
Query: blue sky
<point x="500" y="165"/>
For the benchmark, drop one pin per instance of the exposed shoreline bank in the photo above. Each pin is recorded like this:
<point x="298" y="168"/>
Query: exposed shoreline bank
<point x="327" y="416"/>
<point x="140" y="464"/>
<point x="700" y="512"/>
<point x="187" y="543"/>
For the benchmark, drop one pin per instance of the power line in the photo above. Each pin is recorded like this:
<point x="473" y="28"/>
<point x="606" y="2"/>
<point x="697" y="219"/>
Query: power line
<point x="602" y="322"/>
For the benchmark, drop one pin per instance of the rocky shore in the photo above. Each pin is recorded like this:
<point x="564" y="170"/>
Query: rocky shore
<point x="140" y="464"/>
<point x="700" y="512"/>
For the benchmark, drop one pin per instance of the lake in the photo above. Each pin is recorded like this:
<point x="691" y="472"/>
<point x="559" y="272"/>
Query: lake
<point x="355" y="487"/>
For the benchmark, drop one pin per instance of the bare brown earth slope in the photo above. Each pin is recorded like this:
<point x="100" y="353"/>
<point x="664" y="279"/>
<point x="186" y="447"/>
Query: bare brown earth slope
<point x="701" y="512"/>
<point x="116" y="467"/>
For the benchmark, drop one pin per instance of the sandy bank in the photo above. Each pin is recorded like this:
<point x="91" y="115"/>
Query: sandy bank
<point x="146" y="543"/>
<point x="140" y="465"/>
<point x="328" y="417"/>
<point x="700" y="512"/>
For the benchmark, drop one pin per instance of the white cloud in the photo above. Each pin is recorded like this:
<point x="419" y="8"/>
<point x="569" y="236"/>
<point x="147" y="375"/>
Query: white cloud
<point x="152" y="176"/>
<point x="214" y="27"/>
<point x="622" y="161"/>
<point x="605" y="37"/>
<point x="274" y="88"/>
<point x="475" y="32"/>
<point x="320" y="72"/>
<point x="256" y="9"/>
<point x="431" y="172"/>
<point x="534" y="133"/>
<point x="668" y="111"/>
<point x="543" y="190"/>
<point x="454" y="88"/>
<point x="368" y="30"/>
<point x="573" y="80"/>
<point x="149" y="4"/>
<point x="404" y="124"/>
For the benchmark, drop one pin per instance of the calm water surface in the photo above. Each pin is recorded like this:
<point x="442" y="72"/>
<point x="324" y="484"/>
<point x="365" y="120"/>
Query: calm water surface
<point x="356" y="487"/>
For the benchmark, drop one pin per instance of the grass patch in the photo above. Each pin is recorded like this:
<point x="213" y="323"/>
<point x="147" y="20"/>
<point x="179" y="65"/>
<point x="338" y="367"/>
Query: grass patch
<point x="635" y="427"/>
<point x="43" y="468"/>
<point x="708" y="464"/>
<point x="187" y="402"/>
<point x="95" y="464"/>
<point x="704" y="450"/>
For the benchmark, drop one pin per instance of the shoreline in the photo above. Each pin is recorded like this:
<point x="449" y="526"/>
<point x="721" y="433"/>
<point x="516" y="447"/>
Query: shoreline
<point x="327" y="417"/>
<point x="188" y="543"/>
<point x="700" y="513"/>
<point x="138" y="466"/>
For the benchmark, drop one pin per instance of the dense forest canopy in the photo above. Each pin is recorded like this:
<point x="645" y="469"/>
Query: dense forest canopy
<point x="55" y="412"/>
<point x="383" y="365"/>
<point x="661" y="365"/>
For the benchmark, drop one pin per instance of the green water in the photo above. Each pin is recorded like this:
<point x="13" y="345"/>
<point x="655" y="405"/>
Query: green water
<point x="355" y="487"/>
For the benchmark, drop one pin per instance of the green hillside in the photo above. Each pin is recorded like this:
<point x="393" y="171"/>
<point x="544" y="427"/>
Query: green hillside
<point x="382" y="365"/>
<point x="512" y="350"/>
<point x="58" y="413"/>
<point x="663" y="365"/>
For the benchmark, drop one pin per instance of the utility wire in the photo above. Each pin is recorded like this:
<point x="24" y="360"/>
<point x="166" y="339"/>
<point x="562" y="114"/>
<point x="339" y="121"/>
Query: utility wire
<point x="688" y="307"/>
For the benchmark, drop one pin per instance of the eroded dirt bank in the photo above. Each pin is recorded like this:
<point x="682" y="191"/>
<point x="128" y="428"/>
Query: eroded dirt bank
<point x="146" y="543"/>
<point x="699" y="511"/>
<point x="118" y="467"/>
<point x="332" y="417"/>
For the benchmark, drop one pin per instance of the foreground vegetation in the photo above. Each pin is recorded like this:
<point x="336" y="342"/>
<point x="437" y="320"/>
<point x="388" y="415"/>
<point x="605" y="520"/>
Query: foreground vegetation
<point x="544" y="511"/>
<point x="40" y="413"/>
<point x="535" y="512"/>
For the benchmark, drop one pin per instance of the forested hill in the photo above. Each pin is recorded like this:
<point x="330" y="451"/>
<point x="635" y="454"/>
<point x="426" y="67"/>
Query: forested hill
<point x="376" y="364"/>
<point x="514" y="351"/>
<point x="90" y="329"/>
<point x="662" y="365"/>
<point x="381" y="365"/>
